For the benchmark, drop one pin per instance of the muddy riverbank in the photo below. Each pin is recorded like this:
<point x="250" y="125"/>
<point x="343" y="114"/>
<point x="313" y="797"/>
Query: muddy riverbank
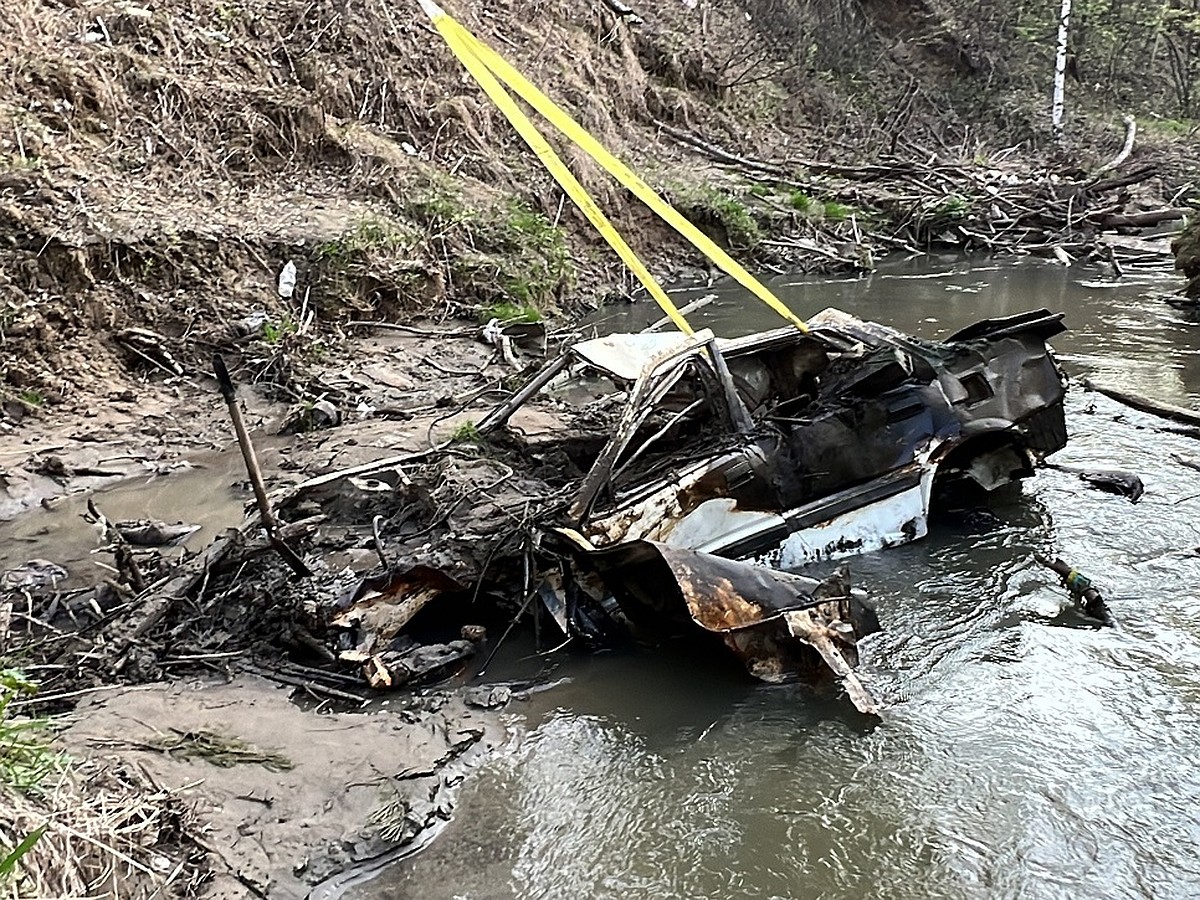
<point x="314" y="191"/>
<point x="286" y="795"/>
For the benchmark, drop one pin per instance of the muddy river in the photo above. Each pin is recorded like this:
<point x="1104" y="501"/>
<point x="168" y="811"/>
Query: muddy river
<point x="1024" y="751"/>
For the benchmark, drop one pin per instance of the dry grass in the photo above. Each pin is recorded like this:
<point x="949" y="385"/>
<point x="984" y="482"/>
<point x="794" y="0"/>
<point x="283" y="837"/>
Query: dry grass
<point x="104" y="831"/>
<point x="108" y="833"/>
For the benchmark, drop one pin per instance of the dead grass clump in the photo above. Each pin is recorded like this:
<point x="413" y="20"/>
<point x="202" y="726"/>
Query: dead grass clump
<point x="81" y="829"/>
<point x="219" y="750"/>
<point x="107" y="833"/>
<point x="375" y="268"/>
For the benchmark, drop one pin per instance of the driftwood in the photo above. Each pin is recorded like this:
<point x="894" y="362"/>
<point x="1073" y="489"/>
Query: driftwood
<point x="696" y="304"/>
<point x="1126" y="148"/>
<point x="151" y="606"/>
<point x="934" y="201"/>
<point x="1147" y="218"/>
<point x="1145" y="404"/>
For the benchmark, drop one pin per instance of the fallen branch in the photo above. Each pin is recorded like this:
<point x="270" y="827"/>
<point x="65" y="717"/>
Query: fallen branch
<point x="1130" y="134"/>
<point x="1120" y="181"/>
<point x="699" y="303"/>
<point x="369" y="468"/>
<point x="1146" y="219"/>
<point x="159" y="598"/>
<point x="1145" y="404"/>
<point x="718" y="153"/>
<point x="127" y="566"/>
<point x="270" y="523"/>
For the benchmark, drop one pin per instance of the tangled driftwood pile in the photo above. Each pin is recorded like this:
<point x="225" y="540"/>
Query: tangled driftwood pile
<point x="993" y="204"/>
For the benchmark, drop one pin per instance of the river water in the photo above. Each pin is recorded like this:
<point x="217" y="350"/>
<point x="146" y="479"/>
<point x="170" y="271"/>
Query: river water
<point x="1023" y="751"/>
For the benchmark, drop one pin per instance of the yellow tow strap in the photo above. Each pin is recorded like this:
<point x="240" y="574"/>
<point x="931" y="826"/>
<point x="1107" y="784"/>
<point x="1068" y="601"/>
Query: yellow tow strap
<point x="486" y="66"/>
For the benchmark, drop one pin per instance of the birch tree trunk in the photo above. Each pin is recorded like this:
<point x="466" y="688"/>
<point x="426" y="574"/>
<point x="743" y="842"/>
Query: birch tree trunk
<point x="1060" y="71"/>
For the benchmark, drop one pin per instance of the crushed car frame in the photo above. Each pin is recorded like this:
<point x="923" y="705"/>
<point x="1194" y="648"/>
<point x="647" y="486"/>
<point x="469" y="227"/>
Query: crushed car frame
<point x="690" y="473"/>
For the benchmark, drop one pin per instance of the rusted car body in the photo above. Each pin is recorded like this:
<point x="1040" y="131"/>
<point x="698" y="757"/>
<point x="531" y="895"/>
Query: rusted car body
<point x="679" y="477"/>
<point x="787" y="447"/>
<point x="778" y="449"/>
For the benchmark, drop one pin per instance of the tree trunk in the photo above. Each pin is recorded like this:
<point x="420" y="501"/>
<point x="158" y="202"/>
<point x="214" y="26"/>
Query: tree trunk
<point x="1060" y="71"/>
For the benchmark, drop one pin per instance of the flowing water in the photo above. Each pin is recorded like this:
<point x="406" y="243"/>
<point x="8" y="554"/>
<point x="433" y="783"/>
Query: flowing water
<point x="1024" y="751"/>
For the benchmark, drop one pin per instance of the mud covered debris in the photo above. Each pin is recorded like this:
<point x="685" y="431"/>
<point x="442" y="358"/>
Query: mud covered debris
<point x="638" y="487"/>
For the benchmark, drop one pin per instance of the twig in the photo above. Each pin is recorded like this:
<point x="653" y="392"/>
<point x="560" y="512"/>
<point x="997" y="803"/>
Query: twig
<point x="448" y="371"/>
<point x="68" y="695"/>
<point x="378" y="540"/>
<point x="1145" y="404"/>
<point x="363" y="469"/>
<point x="127" y="566"/>
<point x="698" y="303"/>
<point x="423" y="332"/>
<point x="313" y="686"/>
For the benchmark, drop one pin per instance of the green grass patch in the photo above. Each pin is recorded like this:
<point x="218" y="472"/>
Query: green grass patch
<point x="714" y="207"/>
<point x="740" y="226"/>
<point x="520" y="265"/>
<point x="25" y="754"/>
<point x="1170" y="127"/>
<point x="800" y="201"/>
<point x="370" y="235"/>
<point x="275" y="332"/>
<point x="510" y="313"/>
<point x="9" y="860"/>
<point x="26" y="759"/>
<point x="837" y="212"/>
<point x="466" y="433"/>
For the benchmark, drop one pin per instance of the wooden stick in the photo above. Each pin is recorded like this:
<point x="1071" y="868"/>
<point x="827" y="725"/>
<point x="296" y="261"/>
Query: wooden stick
<point x="696" y="304"/>
<point x="1147" y="218"/>
<point x="127" y="564"/>
<point x="501" y="414"/>
<point x="1130" y="134"/>
<point x="1145" y="404"/>
<point x="256" y="480"/>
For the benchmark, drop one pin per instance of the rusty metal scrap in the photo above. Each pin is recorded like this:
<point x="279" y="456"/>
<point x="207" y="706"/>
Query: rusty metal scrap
<point x="784" y="626"/>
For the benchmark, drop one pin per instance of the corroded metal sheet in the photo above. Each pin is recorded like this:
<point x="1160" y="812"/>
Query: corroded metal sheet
<point x="719" y="594"/>
<point x="783" y="626"/>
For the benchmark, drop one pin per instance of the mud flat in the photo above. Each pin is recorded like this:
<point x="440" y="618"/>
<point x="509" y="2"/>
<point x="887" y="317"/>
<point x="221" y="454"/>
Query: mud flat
<point x="283" y="796"/>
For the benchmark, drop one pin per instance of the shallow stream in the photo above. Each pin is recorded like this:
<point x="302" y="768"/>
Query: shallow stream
<point x="1024" y="751"/>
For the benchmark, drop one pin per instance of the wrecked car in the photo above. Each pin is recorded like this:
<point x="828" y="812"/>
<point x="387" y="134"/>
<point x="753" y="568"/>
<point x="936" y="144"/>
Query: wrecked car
<point x="789" y="447"/>
<point x="688" y="473"/>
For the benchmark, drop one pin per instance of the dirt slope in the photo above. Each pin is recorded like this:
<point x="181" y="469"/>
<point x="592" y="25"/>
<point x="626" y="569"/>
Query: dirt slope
<point x="163" y="161"/>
